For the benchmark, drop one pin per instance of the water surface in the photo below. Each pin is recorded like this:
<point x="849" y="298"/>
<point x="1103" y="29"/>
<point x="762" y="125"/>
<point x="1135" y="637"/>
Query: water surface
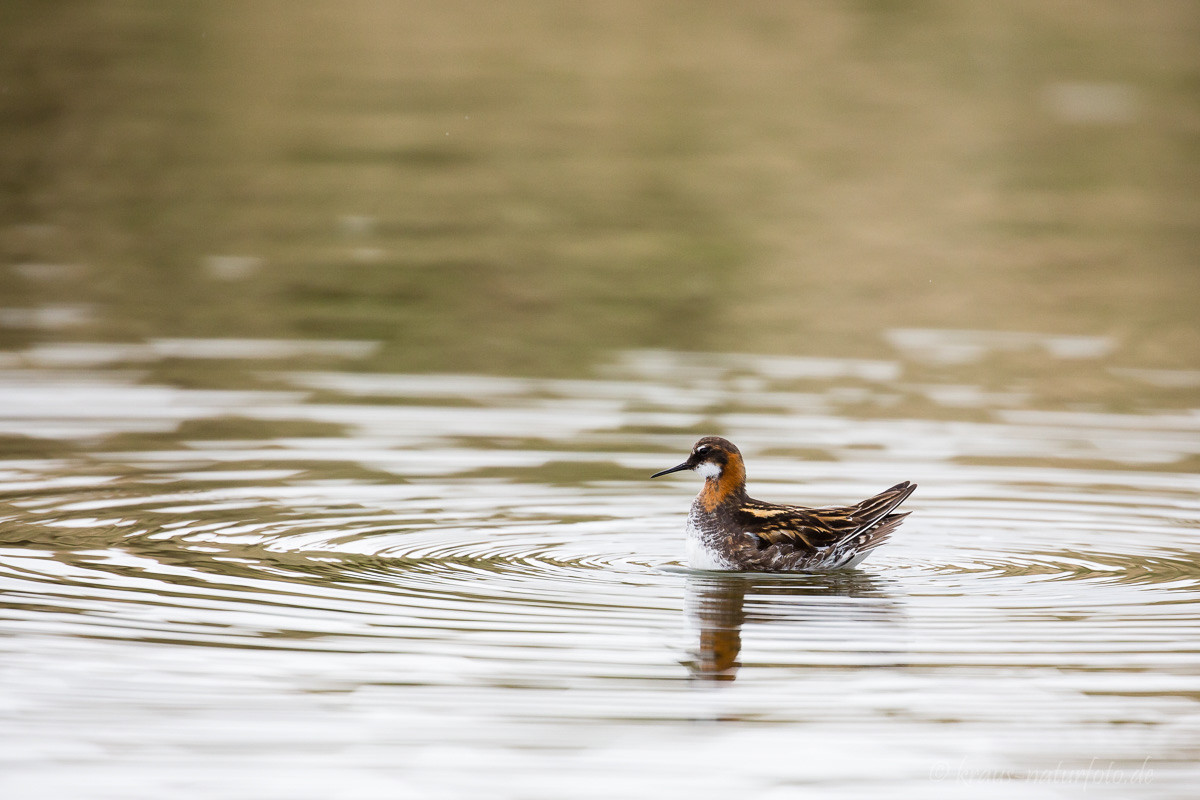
<point x="363" y="584"/>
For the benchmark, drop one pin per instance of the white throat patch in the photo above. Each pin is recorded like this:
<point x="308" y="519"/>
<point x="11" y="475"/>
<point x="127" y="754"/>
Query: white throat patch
<point x="709" y="469"/>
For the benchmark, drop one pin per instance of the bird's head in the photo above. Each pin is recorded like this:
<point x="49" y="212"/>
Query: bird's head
<point x="711" y="457"/>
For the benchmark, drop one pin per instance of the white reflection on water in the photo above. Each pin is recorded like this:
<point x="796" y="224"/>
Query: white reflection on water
<point x="449" y="600"/>
<point x="960" y="346"/>
<point x="46" y="318"/>
<point x="59" y="405"/>
<point x="93" y="354"/>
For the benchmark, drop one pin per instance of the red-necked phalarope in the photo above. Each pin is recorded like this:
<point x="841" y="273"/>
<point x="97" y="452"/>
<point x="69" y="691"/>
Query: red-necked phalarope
<point x="729" y="530"/>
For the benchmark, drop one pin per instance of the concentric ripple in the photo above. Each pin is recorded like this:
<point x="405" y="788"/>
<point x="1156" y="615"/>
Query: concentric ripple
<point x="437" y="596"/>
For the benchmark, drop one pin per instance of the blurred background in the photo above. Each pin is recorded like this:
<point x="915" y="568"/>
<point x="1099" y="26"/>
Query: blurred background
<point x="524" y="187"/>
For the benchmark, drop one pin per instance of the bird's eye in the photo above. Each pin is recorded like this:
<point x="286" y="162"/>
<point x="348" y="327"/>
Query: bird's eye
<point x="702" y="449"/>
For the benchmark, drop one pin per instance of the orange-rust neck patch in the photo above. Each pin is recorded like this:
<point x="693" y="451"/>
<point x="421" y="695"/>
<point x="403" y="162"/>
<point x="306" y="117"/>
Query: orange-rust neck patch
<point x="731" y="482"/>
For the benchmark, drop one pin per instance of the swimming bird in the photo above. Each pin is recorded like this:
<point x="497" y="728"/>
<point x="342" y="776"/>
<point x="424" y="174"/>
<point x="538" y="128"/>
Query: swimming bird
<point x="729" y="530"/>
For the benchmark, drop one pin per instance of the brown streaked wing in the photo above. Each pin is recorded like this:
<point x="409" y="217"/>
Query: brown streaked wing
<point x="875" y="508"/>
<point x="789" y="525"/>
<point x="814" y="528"/>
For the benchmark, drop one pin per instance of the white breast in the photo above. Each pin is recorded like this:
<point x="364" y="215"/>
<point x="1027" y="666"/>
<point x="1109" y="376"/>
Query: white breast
<point x="699" y="554"/>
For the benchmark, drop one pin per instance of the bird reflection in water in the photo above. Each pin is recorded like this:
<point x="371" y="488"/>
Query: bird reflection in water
<point x="719" y="605"/>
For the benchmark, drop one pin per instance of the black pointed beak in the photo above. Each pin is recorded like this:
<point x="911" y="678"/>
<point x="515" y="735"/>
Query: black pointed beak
<point x="681" y="467"/>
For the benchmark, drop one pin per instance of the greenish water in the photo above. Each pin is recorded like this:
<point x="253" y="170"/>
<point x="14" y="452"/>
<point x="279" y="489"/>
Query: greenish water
<point x="525" y="188"/>
<point x="337" y="344"/>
